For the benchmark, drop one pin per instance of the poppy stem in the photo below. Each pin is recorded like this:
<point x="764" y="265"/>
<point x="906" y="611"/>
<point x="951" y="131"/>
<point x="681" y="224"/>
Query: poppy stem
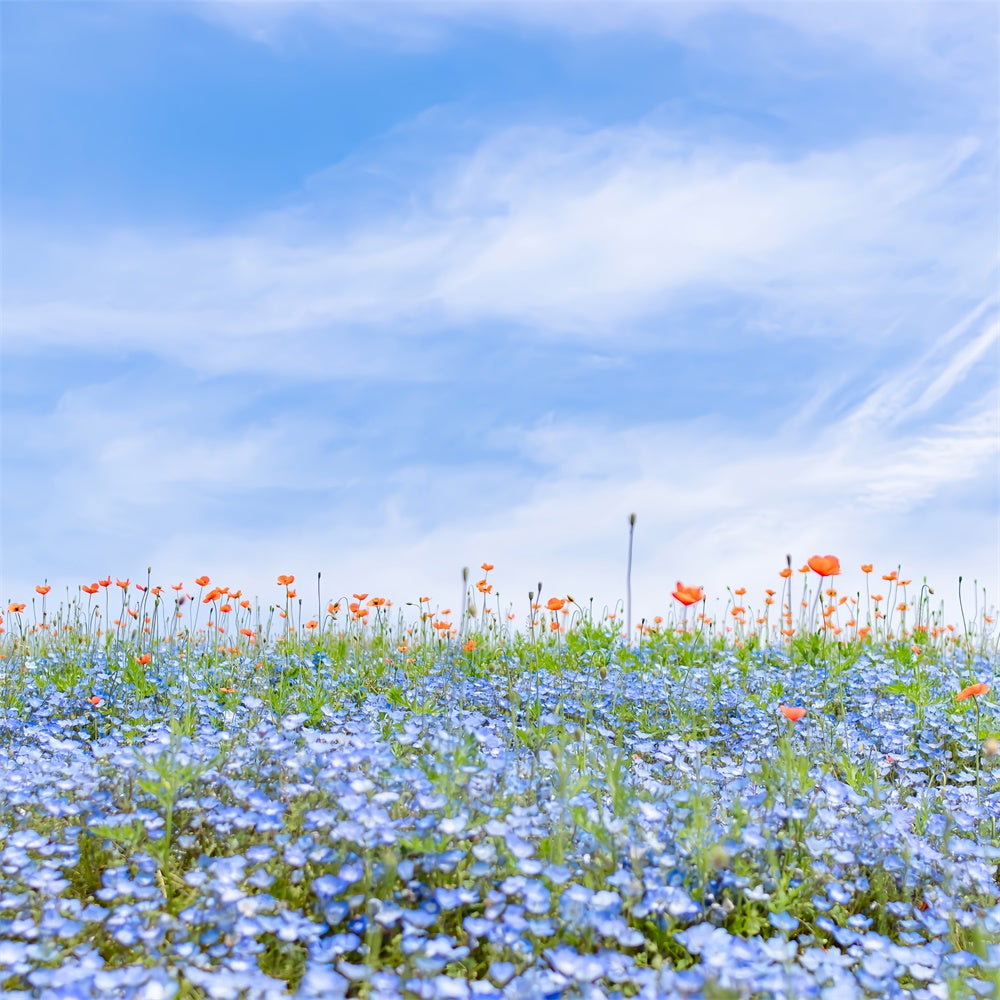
<point x="628" y="582"/>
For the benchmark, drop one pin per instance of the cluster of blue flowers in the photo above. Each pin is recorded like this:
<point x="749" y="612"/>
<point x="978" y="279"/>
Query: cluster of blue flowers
<point x="463" y="847"/>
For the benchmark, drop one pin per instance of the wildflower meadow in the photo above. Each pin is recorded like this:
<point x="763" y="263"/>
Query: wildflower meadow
<point x="785" y="794"/>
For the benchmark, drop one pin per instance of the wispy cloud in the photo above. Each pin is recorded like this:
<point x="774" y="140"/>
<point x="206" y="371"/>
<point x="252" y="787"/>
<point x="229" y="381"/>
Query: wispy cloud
<point x="569" y="234"/>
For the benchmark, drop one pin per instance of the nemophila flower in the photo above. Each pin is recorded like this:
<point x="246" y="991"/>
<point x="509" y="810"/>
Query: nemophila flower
<point x="688" y="595"/>
<point x="792" y="714"/>
<point x="972" y="691"/>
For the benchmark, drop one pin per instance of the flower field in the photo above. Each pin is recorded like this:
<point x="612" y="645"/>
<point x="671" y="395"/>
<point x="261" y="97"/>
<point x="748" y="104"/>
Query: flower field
<point x="788" y="795"/>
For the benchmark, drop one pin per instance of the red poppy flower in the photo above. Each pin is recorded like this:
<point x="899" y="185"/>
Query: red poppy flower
<point x="792" y="714"/>
<point x="972" y="691"/>
<point x="688" y="595"/>
<point x="824" y="565"/>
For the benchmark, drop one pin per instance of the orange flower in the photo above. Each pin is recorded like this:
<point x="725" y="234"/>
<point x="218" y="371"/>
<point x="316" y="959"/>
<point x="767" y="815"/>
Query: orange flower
<point x="688" y="595"/>
<point x="15" y="607"/>
<point x="286" y="580"/>
<point x="290" y="593"/>
<point x="94" y="700"/>
<point x="740" y="591"/>
<point x="486" y="567"/>
<point x="202" y="581"/>
<point x="785" y="573"/>
<point x="359" y="597"/>
<point x="144" y="659"/>
<point x="106" y="582"/>
<point x="248" y="632"/>
<point x="866" y="567"/>
<point x="312" y="623"/>
<point x="792" y="714"/>
<point x="889" y="576"/>
<point x="972" y="691"/>
<point x="468" y="647"/>
<point x="91" y="588"/>
<point x="178" y="586"/>
<point x="555" y="604"/>
<point x="42" y="590"/>
<point x="825" y="565"/>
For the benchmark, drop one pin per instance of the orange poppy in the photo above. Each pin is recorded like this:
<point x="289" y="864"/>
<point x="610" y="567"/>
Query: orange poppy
<point x="42" y="590"/>
<point x="824" y="565"/>
<point x="889" y="576"/>
<point x="177" y="586"/>
<point x="202" y="581"/>
<point x="144" y="659"/>
<point x="286" y="580"/>
<point x="555" y="604"/>
<point x="972" y="691"/>
<point x="688" y="595"/>
<point x="105" y="582"/>
<point x="486" y="567"/>
<point x="15" y="607"/>
<point x="785" y="573"/>
<point x="89" y="588"/>
<point x="792" y="714"/>
<point x="866" y="567"/>
<point x="95" y="700"/>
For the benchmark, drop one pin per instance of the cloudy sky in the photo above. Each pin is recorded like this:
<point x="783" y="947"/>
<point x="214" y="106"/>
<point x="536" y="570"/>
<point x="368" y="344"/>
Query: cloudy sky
<point x="386" y="290"/>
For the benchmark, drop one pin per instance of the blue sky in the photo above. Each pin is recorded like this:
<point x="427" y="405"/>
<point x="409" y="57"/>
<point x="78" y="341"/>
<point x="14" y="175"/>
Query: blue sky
<point x="385" y="290"/>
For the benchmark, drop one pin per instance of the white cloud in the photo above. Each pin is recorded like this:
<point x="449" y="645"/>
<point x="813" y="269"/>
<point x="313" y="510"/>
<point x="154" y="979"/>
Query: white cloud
<point x="564" y="233"/>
